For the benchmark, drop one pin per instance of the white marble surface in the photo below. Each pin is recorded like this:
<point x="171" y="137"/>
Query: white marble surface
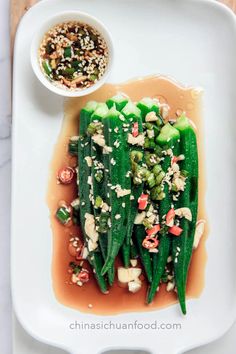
<point x="20" y="342"/>
<point x="5" y="173"/>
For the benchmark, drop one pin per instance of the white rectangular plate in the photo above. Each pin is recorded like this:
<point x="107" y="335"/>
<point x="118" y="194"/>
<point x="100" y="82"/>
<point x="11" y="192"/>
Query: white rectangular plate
<point x="193" y="41"/>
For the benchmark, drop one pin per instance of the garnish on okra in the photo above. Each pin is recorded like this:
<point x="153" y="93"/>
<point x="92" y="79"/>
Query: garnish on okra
<point x="137" y="181"/>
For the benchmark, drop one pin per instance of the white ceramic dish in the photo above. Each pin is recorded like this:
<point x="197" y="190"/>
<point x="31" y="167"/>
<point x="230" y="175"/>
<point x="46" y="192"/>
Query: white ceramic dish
<point x="193" y="41"/>
<point x="50" y="22"/>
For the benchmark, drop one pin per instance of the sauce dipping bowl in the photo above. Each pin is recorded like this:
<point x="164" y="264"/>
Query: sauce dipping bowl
<point x="49" y="23"/>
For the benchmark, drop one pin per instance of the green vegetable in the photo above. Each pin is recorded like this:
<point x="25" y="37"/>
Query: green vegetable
<point x="133" y="114"/>
<point x="67" y="52"/>
<point x="49" y="49"/>
<point x="168" y="137"/>
<point x="119" y="101"/>
<point x="99" y="175"/>
<point x="75" y="64"/>
<point x="159" y="178"/>
<point x="133" y="251"/>
<point x="145" y="255"/>
<point x="167" y="133"/>
<point x="68" y="72"/>
<point x="188" y="198"/>
<point x="147" y="105"/>
<point x="157" y="193"/>
<point x="99" y="185"/>
<point x="47" y="68"/>
<point x="157" y="169"/>
<point x="112" y="176"/>
<point x="125" y="250"/>
<point x="151" y="180"/>
<point x="151" y="159"/>
<point x="118" y="165"/>
<point x="149" y="143"/>
<point x="75" y="267"/>
<point x="63" y="215"/>
<point x="93" y="77"/>
<point x="98" y="202"/>
<point x="103" y="224"/>
<point x="84" y="150"/>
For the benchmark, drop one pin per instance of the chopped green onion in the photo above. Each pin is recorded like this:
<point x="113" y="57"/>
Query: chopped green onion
<point x="68" y="72"/>
<point x="93" y="37"/>
<point x="151" y="159"/>
<point x="103" y="223"/>
<point x="99" y="176"/>
<point x="159" y="121"/>
<point x="76" y="268"/>
<point x="146" y="143"/>
<point x="152" y="143"/>
<point x="156" y="130"/>
<point x="161" y="196"/>
<point x="174" y="187"/>
<point x="136" y="156"/>
<point x="148" y="125"/>
<point x="75" y="64"/>
<point x="147" y="224"/>
<point x="157" y="193"/>
<point x="93" y="128"/>
<point x="82" y="32"/>
<point x="158" y="151"/>
<point x="93" y="77"/>
<point x="160" y="177"/>
<point x="47" y="68"/>
<point x="63" y="215"/>
<point x="151" y="180"/>
<point x="67" y="52"/>
<point x="157" y="169"/>
<point x="98" y="202"/>
<point x="144" y="173"/>
<point x="49" y="49"/>
<point x="184" y="173"/>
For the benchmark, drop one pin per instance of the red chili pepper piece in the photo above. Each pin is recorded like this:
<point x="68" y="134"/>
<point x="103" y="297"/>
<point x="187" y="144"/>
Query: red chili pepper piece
<point x="150" y="242"/>
<point x="170" y="217"/>
<point x="135" y="131"/>
<point x="175" y="230"/>
<point x="174" y="159"/>
<point x="143" y="201"/>
<point x="66" y="175"/>
<point x="83" y="276"/>
<point x="154" y="230"/>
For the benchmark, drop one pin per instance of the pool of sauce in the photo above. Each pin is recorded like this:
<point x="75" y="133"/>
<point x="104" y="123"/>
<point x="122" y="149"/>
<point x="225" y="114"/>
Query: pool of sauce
<point x="119" y="300"/>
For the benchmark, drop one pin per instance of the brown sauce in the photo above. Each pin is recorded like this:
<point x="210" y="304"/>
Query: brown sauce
<point x="119" y="299"/>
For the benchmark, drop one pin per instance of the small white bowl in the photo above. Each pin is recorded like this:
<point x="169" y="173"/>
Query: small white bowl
<point x="46" y="26"/>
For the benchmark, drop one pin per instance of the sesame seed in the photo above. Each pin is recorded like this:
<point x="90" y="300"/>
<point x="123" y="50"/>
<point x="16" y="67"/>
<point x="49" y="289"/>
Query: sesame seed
<point x="113" y="162"/>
